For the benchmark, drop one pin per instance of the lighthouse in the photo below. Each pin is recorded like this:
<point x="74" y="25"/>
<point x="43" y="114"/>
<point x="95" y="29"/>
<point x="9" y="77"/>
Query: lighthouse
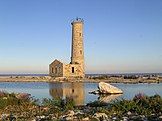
<point x="77" y="50"/>
<point x="75" y="69"/>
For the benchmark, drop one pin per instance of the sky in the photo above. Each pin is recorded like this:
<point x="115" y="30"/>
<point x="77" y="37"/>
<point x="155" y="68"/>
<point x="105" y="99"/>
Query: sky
<point x="120" y="36"/>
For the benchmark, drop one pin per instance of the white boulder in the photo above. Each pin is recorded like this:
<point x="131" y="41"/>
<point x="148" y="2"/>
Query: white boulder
<point x="105" y="88"/>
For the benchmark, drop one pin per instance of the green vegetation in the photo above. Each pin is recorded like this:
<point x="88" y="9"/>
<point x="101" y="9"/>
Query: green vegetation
<point x="99" y="77"/>
<point x="23" y="107"/>
<point x="7" y="99"/>
<point x="140" y="104"/>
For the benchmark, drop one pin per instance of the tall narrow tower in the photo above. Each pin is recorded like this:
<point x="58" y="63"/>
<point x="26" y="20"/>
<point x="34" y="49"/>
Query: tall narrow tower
<point x="77" y="52"/>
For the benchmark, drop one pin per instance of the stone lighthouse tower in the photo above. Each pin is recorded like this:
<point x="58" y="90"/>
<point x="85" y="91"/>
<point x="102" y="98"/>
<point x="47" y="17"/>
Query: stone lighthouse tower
<point x="76" y="67"/>
<point x="77" y="50"/>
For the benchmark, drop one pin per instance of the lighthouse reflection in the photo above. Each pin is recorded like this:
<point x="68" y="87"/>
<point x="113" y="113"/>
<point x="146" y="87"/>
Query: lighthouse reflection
<point x="74" y="91"/>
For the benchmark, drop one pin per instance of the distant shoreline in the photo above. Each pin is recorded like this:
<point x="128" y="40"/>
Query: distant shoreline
<point x="86" y="80"/>
<point x="111" y="74"/>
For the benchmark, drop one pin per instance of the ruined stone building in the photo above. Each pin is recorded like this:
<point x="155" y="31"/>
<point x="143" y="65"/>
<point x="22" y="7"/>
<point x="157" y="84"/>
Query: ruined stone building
<point x="76" y="67"/>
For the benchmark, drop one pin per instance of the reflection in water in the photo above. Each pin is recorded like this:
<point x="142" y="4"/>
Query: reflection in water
<point x="108" y="98"/>
<point x="68" y="90"/>
<point x="76" y="92"/>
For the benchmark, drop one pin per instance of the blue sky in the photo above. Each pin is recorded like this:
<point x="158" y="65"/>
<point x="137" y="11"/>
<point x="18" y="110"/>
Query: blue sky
<point x="120" y="36"/>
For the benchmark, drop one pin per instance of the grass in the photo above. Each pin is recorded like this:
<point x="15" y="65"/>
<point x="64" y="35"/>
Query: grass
<point x="141" y="105"/>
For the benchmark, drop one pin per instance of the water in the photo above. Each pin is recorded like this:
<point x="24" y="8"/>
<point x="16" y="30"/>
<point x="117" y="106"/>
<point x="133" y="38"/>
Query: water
<point x="78" y="91"/>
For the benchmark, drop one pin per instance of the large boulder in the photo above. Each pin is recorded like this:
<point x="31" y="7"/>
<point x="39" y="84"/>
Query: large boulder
<point x="105" y="88"/>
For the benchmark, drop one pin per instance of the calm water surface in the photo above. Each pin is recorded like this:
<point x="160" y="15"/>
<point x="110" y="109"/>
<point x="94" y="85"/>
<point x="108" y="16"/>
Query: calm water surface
<point x="78" y="91"/>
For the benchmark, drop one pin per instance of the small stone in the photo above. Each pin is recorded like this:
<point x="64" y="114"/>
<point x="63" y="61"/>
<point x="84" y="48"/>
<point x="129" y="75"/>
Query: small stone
<point x="114" y="118"/>
<point x="129" y="113"/>
<point x="143" y="117"/>
<point x="79" y="113"/>
<point x="69" y="118"/>
<point x="4" y="98"/>
<point x="42" y="117"/>
<point x="53" y="118"/>
<point x="100" y="115"/>
<point x="71" y="113"/>
<point x="135" y="117"/>
<point x="153" y="114"/>
<point x="94" y="92"/>
<point x="4" y="116"/>
<point x="85" y="119"/>
<point x="160" y="117"/>
<point x="125" y="118"/>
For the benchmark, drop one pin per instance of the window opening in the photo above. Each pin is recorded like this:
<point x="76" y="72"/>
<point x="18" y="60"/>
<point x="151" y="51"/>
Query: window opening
<point x="80" y="51"/>
<point x="56" y="70"/>
<point x="72" y="69"/>
<point x="52" y="70"/>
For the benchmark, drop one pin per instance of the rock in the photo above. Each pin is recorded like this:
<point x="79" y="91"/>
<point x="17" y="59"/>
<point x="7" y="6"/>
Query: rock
<point x="100" y="116"/>
<point x="105" y="88"/>
<point x="85" y="119"/>
<point x="79" y="112"/>
<point x="4" y="98"/>
<point x="4" y="117"/>
<point x="71" y="113"/>
<point x="135" y="118"/>
<point x="54" y="118"/>
<point x="69" y="118"/>
<point x="160" y="117"/>
<point x="94" y="92"/>
<point x="40" y="118"/>
<point x="143" y="117"/>
<point x="114" y="118"/>
<point x="125" y="118"/>
<point x="129" y="113"/>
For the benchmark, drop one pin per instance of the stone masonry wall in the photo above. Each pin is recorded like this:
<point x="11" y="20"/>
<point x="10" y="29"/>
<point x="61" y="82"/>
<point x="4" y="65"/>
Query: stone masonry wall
<point x="77" y="56"/>
<point x="56" y="69"/>
<point x="77" y="70"/>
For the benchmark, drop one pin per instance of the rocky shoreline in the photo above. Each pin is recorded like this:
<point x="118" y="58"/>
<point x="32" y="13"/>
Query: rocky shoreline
<point x="18" y="107"/>
<point x="87" y="79"/>
<point x="79" y="115"/>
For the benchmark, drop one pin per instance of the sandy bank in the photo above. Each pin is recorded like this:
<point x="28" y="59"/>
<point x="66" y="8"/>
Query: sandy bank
<point x="49" y="79"/>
